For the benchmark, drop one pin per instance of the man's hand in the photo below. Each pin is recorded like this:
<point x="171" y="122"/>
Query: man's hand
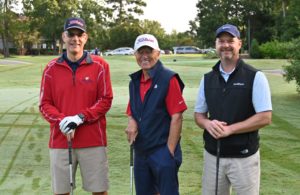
<point x="131" y="130"/>
<point x="70" y="123"/>
<point x="217" y="129"/>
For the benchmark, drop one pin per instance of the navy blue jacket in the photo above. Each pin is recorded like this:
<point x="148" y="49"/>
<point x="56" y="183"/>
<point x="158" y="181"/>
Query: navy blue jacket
<point x="151" y="115"/>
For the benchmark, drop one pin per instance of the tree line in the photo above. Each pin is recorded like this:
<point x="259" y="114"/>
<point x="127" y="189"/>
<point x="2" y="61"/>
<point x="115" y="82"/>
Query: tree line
<point x="116" y="23"/>
<point x="269" y="28"/>
<point x="110" y="23"/>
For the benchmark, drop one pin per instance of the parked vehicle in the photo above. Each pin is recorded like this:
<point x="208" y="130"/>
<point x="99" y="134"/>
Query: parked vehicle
<point x="93" y="52"/>
<point x="120" y="51"/>
<point x="167" y="51"/>
<point x="188" y="50"/>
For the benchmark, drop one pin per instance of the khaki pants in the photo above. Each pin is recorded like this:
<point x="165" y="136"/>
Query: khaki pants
<point x="242" y="174"/>
<point x="93" y="168"/>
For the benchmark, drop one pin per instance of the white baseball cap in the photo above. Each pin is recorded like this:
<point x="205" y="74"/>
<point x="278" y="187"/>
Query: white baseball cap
<point x="146" y="40"/>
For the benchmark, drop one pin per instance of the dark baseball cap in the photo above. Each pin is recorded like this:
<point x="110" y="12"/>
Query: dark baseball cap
<point x="75" y="23"/>
<point x="229" y="28"/>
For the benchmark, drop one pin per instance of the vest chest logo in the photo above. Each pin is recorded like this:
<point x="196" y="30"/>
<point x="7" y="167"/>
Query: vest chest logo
<point x="238" y="84"/>
<point x="155" y="86"/>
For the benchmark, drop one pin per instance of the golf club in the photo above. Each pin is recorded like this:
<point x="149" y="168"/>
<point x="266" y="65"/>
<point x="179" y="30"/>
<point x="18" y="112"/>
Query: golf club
<point x="217" y="165"/>
<point x="131" y="169"/>
<point x="70" y="161"/>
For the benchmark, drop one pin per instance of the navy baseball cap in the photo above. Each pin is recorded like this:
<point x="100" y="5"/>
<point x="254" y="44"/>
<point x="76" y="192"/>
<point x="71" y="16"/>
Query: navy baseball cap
<point x="229" y="28"/>
<point x="75" y="23"/>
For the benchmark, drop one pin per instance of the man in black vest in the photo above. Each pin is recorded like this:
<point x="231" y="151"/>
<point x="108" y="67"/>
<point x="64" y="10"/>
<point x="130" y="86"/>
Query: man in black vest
<point x="154" y="121"/>
<point x="233" y="103"/>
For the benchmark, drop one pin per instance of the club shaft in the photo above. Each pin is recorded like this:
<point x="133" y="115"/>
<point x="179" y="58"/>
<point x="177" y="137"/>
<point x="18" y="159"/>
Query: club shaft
<point x="217" y="166"/>
<point x="70" y="164"/>
<point x="131" y="169"/>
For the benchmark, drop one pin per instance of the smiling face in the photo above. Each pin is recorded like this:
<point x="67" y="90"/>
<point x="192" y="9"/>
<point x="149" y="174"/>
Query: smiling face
<point x="74" y="40"/>
<point x="146" y="57"/>
<point x="228" y="47"/>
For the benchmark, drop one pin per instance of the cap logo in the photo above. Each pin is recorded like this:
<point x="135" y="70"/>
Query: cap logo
<point x="225" y="27"/>
<point x="143" y="39"/>
<point x="76" y="22"/>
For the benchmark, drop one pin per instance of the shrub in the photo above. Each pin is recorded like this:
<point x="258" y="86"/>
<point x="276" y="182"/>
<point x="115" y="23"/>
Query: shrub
<point x="255" y="50"/>
<point x="275" y="49"/>
<point x="292" y="71"/>
<point x="211" y="55"/>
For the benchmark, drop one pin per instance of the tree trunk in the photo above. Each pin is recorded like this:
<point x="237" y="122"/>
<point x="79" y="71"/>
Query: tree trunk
<point x="5" y="46"/>
<point x="61" y="44"/>
<point x="283" y="8"/>
<point x="5" y="31"/>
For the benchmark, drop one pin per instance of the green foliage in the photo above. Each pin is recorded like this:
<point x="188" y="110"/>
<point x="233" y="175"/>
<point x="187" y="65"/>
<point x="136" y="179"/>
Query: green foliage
<point x="8" y="18"/>
<point x="293" y="70"/>
<point x="265" y="19"/>
<point x="276" y="49"/>
<point x="123" y="35"/>
<point x="125" y="10"/>
<point x="291" y="24"/>
<point x="254" y="50"/>
<point x="211" y="55"/>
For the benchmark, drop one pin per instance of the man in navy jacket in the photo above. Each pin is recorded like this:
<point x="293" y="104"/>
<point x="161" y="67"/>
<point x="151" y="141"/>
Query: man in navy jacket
<point x="154" y="121"/>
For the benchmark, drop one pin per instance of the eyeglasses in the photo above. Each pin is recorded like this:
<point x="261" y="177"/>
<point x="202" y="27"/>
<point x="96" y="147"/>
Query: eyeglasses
<point x="72" y="34"/>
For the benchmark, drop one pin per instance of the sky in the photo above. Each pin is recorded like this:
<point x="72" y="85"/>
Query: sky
<point x="171" y="14"/>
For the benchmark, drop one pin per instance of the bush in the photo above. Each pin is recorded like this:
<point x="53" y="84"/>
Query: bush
<point x="41" y="52"/>
<point x="13" y="51"/>
<point x="293" y="70"/>
<point x="211" y="55"/>
<point x="276" y="49"/>
<point x="254" y="50"/>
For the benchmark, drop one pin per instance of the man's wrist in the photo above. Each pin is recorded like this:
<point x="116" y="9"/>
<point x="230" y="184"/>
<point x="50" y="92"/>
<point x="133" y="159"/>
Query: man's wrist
<point x="81" y="116"/>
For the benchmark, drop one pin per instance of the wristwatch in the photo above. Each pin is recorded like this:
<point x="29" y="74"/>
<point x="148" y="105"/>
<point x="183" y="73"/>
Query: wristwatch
<point x="81" y="116"/>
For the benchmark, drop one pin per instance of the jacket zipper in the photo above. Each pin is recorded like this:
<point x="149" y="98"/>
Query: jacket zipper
<point x="73" y="77"/>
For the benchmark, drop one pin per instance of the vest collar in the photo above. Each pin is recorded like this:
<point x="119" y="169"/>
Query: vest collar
<point x="152" y="72"/>
<point x="155" y="70"/>
<point x="217" y="66"/>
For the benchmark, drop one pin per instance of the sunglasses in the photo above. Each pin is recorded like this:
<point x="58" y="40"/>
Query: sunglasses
<point x="72" y="34"/>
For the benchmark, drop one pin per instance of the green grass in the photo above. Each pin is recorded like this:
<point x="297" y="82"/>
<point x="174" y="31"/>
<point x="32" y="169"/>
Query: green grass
<point x="24" y="157"/>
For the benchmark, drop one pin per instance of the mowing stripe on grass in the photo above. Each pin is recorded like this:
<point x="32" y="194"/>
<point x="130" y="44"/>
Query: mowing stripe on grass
<point x="22" y="102"/>
<point x="10" y="127"/>
<point x="10" y="165"/>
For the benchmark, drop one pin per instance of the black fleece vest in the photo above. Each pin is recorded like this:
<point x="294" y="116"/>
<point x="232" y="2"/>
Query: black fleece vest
<point x="151" y="115"/>
<point x="231" y="102"/>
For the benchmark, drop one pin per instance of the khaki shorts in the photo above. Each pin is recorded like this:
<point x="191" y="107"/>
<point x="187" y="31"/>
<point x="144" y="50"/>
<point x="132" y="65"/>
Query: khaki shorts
<point x="93" y="168"/>
<point x="240" y="174"/>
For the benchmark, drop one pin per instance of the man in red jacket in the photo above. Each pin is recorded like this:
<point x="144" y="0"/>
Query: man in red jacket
<point x="75" y="95"/>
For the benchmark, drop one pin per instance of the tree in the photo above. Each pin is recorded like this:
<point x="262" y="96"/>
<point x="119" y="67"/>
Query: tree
<point x="124" y="35"/>
<point x="254" y="50"/>
<point x="48" y="16"/>
<point x="291" y="24"/>
<point x="292" y="71"/>
<point x="24" y="38"/>
<point x="255" y="19"/>
<point x="7" y="16"/>
<point x="125" y="10"/>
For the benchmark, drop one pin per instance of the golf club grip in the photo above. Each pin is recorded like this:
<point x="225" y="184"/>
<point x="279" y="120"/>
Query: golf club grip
<point x="70" y="151"/>
<point x="131" y="155"/>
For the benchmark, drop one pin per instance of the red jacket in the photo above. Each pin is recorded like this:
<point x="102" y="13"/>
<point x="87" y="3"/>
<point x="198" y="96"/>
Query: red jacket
<point x="64" y="93"/>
